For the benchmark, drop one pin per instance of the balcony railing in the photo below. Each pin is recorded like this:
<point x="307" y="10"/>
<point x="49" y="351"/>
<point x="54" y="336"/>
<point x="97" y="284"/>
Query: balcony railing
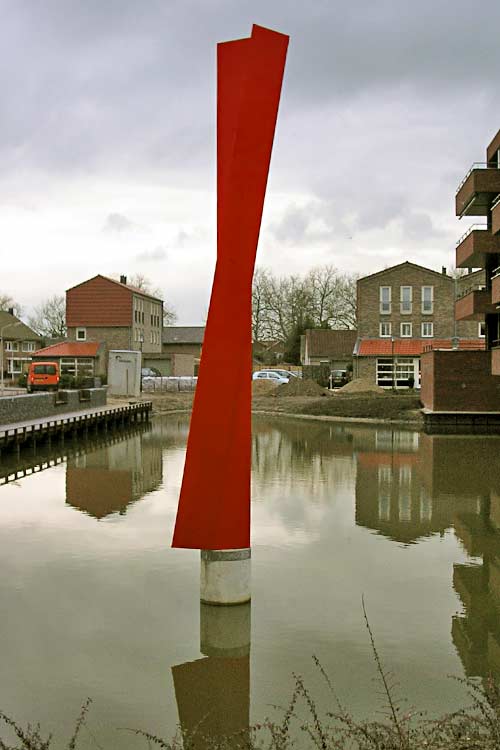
<point x="471" y="229"/>
<point x="476" y="165"/>
<point x="469" y="289"/>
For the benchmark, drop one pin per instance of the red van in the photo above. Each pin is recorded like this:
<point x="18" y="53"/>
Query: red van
<point x="43" y="376"/>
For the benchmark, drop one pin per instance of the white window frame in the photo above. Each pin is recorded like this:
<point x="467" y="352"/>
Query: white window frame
<point x="481" y="329"/>
<point x="402" y="328"/>
<point x="428" y="335"/>
<point x="385" y="324"/>
<point x="81" y="338"/>
<point x="430" y="301"/>
<point x="382" y="302"/>
<point x="11" y="346"/>
<point x="28" y="346"/>
<point x="10" y="366"/>
<point x="405" y="305"/>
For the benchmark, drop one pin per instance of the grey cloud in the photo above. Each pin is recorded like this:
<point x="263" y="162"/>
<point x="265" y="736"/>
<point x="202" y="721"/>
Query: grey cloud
<point x="122" y="84"/>
<point x="117" y="223"/>
<point x="153" y="256"/>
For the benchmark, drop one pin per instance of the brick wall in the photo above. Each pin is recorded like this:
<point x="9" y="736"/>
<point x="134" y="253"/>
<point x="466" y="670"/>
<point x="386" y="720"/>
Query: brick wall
<point x="366" y="368"/>
<point x="406" y="274"/>
<point x="459" y="381"/>
<point x="193" y="349"/>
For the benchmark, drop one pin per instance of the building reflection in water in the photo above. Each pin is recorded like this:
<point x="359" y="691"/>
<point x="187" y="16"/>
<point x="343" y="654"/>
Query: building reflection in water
<point x="213" y="693"/>
<point x="476" y="633"/>
<point x="444" y="482"/>
<point x="410" y="486"/>
<point x="108" y="479"/>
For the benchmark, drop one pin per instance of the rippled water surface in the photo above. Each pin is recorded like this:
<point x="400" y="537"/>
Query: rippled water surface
<point x="95" y="603"/>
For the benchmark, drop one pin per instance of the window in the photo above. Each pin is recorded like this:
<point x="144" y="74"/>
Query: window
<point x="481" y="330"/>
<point x="406" y="299"/>
<point x="385" y="300"/>
<point x="427" y="300"/>
<point x="385" y="329"/>
<point x="28" y="346"/>
<point x="427" y="330"/>
<point x="11" y="346"/>
<point x="14" y="366"/>
<point x="81" y="334"/>
<point x="406" y="330"/>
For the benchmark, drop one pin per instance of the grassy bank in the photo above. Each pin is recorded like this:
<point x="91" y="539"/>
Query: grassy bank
<point x="384" y="407"/>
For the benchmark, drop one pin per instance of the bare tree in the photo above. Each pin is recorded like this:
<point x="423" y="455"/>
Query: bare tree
<point x="141" y="282"/>
<point x="49" y="318"/>
<point x="322" y="285"/>
<point x="283" y="305"/>
<point x="169" y="314"/>
<point x="7" y="303"/>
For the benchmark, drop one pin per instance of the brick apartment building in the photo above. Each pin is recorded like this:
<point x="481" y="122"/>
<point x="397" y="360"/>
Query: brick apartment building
<point x="469" y="382"/>
<point x="18" y="342"/>
<point x="479" y="247"/>
<point x="402" y="311"/>
<point x="114" y="315"/>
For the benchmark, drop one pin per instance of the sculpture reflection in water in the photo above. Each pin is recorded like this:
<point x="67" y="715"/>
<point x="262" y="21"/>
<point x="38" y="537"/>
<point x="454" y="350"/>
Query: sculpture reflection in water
<point x="213" y="693"/>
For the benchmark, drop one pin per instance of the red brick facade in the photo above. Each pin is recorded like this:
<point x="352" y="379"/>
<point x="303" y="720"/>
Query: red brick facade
<point x="459" y="381"/>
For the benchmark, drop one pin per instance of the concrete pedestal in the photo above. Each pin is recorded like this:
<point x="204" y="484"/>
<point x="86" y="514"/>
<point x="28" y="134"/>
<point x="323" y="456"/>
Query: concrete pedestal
<point x="225" y="632"/>
<point x="225" y="576"/>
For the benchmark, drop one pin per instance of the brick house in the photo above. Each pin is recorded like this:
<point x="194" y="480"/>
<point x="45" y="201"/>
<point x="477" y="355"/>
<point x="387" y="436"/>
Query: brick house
<point x="114" y="315"/>
<point x="183" y="340"/>
<point x="17" y="344"/>
<point x="321" y="346"/>
<point x="403" y="311"/>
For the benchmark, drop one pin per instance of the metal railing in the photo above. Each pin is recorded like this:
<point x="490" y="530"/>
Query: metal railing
<point x="474" y="288"/>
<point x="476" y="165"/>
<point x="472" y="228"/>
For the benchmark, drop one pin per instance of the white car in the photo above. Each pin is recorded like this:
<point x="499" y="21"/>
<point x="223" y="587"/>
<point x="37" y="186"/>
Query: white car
<point x="270" y="375"/>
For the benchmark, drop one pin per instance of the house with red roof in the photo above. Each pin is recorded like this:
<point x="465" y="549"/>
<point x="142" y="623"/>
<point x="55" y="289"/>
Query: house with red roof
<point x="76" y="359"/>
<point x="110" y="315"/>
<point x="404" y="311"/>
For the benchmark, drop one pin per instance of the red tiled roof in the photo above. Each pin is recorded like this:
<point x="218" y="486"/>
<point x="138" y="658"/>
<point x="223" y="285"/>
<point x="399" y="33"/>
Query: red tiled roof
<point x="410" y="347"/>
<point x="69" y="349"/>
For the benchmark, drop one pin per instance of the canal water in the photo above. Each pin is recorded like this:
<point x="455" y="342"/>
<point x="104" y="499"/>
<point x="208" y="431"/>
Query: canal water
<point x="95" y="603"/>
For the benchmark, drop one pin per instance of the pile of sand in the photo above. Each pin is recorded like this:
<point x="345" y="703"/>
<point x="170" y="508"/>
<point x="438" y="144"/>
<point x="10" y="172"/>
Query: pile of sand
<point x="300" y="387"/>
<point x="263" y="387"/>
<point x="361" y="386"/>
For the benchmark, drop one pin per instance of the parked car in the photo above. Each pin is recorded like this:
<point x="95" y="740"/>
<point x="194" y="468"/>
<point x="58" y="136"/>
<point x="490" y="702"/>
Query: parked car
<point x="338" y="378"/>
<point x="150" y="372"/>
<point x="286" y="373"/>
<point x="270" y="375"/>
<point x="43" y="376"/>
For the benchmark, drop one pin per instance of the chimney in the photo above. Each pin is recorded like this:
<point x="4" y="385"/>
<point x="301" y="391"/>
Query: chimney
<point x="123" y="280"/>
<point x="11" y="311"/>
<point x="443" y="270"/>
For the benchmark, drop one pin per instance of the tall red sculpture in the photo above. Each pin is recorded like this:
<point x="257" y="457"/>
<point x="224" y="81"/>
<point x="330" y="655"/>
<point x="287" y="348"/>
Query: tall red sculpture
<point x="214" y="504"/>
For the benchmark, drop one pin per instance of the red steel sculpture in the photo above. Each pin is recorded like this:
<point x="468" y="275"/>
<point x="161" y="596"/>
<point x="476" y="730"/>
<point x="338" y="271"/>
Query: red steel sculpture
<point x="214" y="504"/>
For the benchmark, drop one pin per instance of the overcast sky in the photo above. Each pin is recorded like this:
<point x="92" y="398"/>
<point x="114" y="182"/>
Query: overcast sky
<point x="107" y="137"/>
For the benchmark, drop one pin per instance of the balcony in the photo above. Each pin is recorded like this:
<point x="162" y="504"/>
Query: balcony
<point x="473" y="247"/>
<point x="495" y="217"/>
<point x="474" y="304"/>
<point x="477" y="190"/>
<point x="495" y="287"/>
